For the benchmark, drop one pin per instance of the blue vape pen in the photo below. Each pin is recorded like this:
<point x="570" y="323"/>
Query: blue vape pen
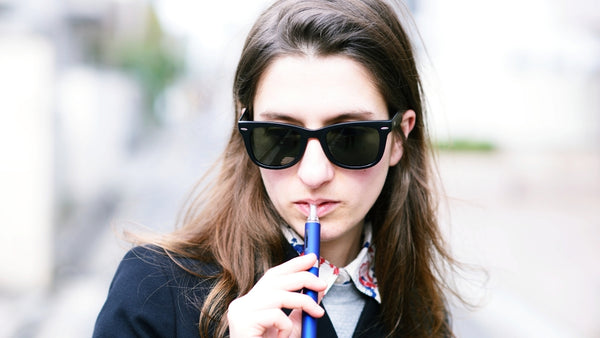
<point x="312" y="240"/>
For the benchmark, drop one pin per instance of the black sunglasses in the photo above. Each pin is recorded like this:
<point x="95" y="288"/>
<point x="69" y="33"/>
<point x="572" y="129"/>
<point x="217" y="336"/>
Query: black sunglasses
<point x="350" y="145"/>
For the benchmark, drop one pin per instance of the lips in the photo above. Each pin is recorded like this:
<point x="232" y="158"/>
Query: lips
<point x="323" y="206"/>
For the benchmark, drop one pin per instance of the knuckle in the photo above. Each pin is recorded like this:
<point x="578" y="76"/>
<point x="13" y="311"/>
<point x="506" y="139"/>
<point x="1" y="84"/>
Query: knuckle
<point x="234" y="307"/>
<point x="270" y="272"/>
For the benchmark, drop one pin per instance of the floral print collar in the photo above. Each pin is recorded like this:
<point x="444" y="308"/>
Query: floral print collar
<point x="361" y="271"/>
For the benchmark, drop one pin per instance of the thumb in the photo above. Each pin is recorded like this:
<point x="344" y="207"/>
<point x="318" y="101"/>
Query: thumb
<point x="296" y="318"/>
<point x="320" y="297"/>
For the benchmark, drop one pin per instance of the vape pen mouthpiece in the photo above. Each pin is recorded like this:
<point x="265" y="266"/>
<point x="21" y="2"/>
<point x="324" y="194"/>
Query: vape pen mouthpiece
<point x="312" y="217"/>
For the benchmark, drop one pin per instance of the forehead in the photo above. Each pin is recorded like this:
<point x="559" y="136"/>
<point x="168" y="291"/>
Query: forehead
<point x="317" y="88"/>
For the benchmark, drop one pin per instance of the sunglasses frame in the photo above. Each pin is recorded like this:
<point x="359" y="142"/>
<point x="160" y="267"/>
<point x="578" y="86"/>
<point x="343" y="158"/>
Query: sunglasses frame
<point x="383" y="127"/>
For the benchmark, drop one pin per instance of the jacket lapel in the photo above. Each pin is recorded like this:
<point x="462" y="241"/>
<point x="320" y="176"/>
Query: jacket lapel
<point x="369" y="322"/>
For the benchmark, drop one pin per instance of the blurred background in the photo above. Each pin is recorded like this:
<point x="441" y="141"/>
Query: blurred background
<point x="111" y="110"/>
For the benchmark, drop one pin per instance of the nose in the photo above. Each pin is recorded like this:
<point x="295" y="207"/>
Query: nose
<point x="314" y="168"/>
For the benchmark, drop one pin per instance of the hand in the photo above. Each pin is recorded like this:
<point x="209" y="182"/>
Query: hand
<point x="259" y="312"/>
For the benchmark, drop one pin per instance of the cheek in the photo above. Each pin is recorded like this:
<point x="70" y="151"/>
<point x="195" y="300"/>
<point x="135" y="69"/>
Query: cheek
<point x="273" y="180"/>
<point x="372" y="180"/>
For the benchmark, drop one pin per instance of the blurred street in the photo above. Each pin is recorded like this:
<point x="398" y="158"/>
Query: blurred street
<point x="531" y="221"/>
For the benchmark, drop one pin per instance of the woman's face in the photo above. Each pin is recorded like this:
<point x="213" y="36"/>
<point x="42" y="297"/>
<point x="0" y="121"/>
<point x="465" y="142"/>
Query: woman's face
<point x="314" y="92"/>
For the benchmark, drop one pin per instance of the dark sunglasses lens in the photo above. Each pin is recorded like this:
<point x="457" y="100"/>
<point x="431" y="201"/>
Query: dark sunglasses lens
<point x="353" y="146"/>
<point x="275" y="146"/>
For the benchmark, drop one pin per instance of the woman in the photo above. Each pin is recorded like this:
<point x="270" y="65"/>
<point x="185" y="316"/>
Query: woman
<point x="344" y="68"/>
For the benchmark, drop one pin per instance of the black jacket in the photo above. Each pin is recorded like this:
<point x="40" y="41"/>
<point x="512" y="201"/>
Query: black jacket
<point x="151" y="296"/>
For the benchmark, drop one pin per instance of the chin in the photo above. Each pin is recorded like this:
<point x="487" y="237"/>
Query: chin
<point x="330" y="235"/>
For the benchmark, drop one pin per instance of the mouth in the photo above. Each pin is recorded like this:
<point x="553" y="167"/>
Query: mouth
<point x="324" y="207"/>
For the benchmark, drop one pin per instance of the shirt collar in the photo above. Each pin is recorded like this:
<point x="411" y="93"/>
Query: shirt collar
<point x="360" y="272"/>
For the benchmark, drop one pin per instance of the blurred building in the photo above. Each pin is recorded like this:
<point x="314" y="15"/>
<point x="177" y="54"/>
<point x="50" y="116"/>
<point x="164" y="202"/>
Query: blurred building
<point x="70" y="113"/>
<point x="523" y="75"/>
<point x="69" y="119"/>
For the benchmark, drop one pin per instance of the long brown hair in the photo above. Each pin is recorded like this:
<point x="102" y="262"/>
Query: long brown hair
<point x="233" y="224"/>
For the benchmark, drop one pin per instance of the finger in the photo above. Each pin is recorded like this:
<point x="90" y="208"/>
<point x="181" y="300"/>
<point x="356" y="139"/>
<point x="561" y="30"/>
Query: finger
<point x="300" y="263"/>
<point x="257" y="301"/>
<point x="279" y="321"/>
<point x="264" y="323"/>
<point x="294" y="300"/>
<point x="321" y="295"/>
<point x="292" y="282"/>
<point x="279" y="299"/>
